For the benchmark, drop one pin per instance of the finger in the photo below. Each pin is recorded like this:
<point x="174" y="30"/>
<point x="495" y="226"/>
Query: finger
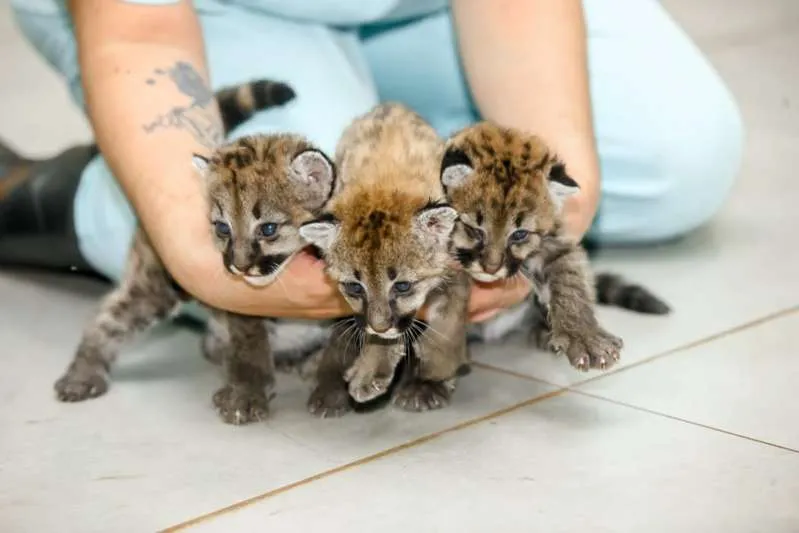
<point x="485" y="315"/>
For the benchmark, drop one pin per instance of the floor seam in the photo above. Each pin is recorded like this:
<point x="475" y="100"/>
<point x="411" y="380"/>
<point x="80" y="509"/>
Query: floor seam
<point x="680" y="419"/>
<point x="364" y="460"/>
<point x="559" y="390"/>
<point x="671" y="351"/>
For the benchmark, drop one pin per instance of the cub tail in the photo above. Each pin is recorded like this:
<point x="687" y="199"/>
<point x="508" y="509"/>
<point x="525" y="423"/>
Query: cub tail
<point x="612" y="289"/>
<point x="240" y="102"/>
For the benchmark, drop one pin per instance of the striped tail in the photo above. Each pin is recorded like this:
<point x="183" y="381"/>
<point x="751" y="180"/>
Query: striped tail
<point x="612" y="289"/>
<point x="240" y="102"/>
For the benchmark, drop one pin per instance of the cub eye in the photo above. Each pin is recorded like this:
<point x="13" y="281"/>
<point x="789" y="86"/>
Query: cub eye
<point x="221" y="229"/>
<point x="520" y="235"/>
<point x="402" y="287"/>
<point x="268" y="230"/>
<point x="353" y="288"/>
<point x="473" y="233"/>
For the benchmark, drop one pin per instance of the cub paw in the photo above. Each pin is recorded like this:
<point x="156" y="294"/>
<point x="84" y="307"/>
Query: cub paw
<point x="329" y="402"/>
<point x="420" y="395"/>
<point x="82" y="382"/>
<point x="363" y="387"/>
<point x="240" y="406"/>
<point x="593" y="348"/>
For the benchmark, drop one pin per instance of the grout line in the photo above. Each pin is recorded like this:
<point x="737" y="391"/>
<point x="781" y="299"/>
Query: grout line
<point x="496" y="414"/>
<point x="679" y="419"/>
<point x="671" y="351"/>
<point x="515" y="374"/>
<point x="575" y="387"/>
<point x="364" y="460"/>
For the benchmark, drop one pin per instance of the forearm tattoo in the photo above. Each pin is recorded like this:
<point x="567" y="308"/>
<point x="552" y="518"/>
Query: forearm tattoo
<point x="198" y="116"/>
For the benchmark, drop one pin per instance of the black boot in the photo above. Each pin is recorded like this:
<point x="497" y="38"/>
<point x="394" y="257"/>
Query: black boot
<point x="36" y="209"/>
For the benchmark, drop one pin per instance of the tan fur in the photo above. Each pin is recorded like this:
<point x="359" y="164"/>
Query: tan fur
<point x="388" y="162"/>
<point x="507" y="192"/>
<point x="249" y="182"/>
<point x="251" y="185"/>
<point x="509" y="188"/>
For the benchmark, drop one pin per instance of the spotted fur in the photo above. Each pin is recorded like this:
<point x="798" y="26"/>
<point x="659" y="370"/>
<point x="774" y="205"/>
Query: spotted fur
<point x="239" y="103"/>
<point x="509" y="188"/>
<point x="384" y="239"/>
<point x="281" y="180"/>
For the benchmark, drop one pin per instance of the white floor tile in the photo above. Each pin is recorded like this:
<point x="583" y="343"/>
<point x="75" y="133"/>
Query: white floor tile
<point x="744" y="383"/>
<point x="566" y="464"/>
<point x="152" y="452"/>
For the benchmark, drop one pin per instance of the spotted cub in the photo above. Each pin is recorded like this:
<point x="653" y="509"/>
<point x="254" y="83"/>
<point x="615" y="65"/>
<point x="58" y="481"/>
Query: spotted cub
<point x="260" y="190"/>
<point x="385" y="238"/>
<point x="508" y="189"/>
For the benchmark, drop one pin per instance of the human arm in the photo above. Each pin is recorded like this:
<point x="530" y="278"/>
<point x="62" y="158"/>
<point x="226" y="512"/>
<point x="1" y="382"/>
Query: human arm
<point x="145" y="84"/>
<point x="526" y="65"/>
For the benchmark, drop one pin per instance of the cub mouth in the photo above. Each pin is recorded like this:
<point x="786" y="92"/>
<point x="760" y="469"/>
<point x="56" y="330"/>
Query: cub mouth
<point x="485" y="277"/>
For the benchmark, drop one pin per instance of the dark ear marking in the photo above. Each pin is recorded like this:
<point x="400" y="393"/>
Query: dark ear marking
<point x="558" y="174"/>
<point x="455" y="168"/>
<point x="433" y="204"/>
<point x="324" y="217"/>
<point x="455" y="156"/>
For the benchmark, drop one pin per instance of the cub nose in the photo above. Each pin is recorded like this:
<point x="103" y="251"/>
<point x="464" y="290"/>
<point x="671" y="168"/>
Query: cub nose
<point x="492" y="268"/>
<point x="380" y="328"/>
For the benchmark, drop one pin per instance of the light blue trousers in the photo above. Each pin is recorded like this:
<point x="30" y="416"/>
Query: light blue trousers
<point x="668" y="131"/>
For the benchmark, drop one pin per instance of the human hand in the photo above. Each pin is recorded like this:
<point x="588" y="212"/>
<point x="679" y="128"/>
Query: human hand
<point x="489" y="299"/>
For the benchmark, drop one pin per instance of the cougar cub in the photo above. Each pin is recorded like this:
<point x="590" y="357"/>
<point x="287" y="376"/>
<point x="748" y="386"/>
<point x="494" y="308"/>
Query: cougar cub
<point x="508" y="189"/>
<point x="385" y="237"/>
<point x="260" y="190"/>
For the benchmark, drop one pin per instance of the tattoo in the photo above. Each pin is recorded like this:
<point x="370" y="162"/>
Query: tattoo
<point x="198" y="116"/>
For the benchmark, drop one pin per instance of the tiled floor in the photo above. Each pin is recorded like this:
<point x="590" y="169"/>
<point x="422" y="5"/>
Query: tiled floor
<point x="698" y="431"/>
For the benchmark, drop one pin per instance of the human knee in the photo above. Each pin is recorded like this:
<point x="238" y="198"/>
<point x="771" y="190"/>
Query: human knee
<point x="700" y="162"/>
<point x="689" y="160"/>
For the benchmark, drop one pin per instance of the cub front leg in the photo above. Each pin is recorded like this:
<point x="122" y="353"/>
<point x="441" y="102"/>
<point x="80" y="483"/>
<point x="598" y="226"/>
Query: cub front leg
<point x="441" y="351"/>
<point x="563" y="282"/>
<point x="373" y="370"/>
<point x="249" y="370"/>
<point x="145" y="296"/>
<point x="330" y="398"/>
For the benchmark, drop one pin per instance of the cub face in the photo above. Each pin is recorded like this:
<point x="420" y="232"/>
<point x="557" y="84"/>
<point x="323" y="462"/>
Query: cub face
<point x="387" y="253"/>
<point x="260" y="190"/>
<point x="508" y="189"/>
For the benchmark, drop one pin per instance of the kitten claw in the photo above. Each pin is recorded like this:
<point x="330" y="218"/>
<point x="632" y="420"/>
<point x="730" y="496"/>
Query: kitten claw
<point x="593" y="348"/>
<point x="82" y="383"/>
<point x="419" y="396"/>
<point x="329" y="402"/>
<point x="239" y="406"/>
<point x="366" y="388"/>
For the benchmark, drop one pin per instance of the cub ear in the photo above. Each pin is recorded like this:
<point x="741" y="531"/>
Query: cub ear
<point x="434" y="223"/>
<point x="456" y="167"/>
<point x="561" y="185"/>
<point x="321" y="232"/>
<point x="315" y="174"/>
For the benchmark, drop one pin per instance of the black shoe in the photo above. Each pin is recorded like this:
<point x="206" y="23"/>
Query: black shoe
<point x="36" y="209"/>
